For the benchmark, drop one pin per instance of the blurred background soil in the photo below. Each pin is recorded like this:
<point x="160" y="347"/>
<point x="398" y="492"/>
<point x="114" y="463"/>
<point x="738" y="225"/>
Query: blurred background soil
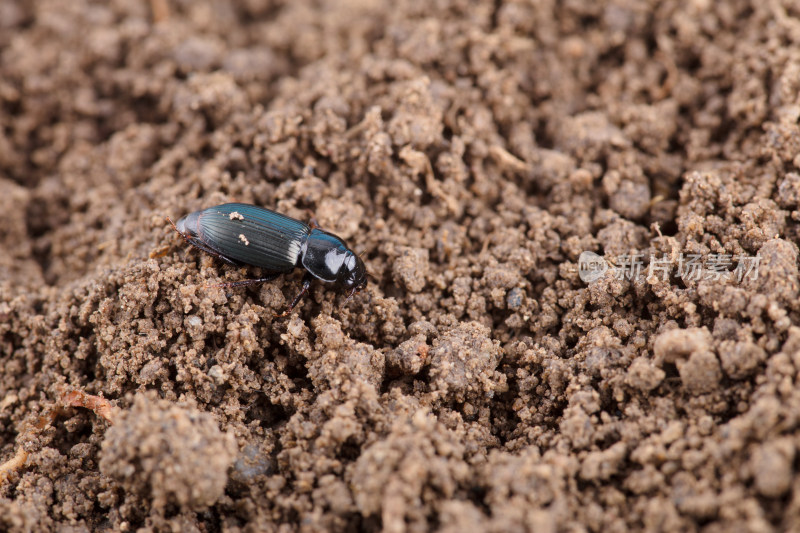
<point x="472" y="150"/>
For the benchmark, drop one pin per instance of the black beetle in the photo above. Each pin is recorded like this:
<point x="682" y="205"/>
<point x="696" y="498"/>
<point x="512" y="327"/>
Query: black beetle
<point x="243" y="234"/>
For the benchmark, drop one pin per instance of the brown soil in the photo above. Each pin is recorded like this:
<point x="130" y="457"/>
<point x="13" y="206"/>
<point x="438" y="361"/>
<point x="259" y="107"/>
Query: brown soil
<point x="473" y="151"/>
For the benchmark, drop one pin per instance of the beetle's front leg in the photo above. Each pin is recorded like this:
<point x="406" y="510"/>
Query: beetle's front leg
<point x="307" y="279"/>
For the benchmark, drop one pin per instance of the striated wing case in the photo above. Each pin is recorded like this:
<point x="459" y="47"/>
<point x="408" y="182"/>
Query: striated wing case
<point x="254" y="235"/>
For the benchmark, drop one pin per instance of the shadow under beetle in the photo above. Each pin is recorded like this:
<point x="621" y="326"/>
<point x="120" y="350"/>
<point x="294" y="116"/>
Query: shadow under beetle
<point x="243" y="234"/>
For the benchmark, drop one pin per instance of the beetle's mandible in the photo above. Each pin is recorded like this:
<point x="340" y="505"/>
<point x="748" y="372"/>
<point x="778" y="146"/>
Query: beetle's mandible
<point x="243" y="234"/>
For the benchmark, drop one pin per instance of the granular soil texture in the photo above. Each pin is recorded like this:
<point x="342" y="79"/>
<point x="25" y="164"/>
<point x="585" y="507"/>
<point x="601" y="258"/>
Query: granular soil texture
<point x="472" y="151"/>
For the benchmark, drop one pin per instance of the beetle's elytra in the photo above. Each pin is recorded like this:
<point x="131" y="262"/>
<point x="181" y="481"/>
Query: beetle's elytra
<point x="243" y="234"/>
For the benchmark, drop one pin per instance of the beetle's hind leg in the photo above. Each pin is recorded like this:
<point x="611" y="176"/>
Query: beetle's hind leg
<point x="212" y="252"/>
<point x="200" y="246"/>
<point x="243" y="282"/>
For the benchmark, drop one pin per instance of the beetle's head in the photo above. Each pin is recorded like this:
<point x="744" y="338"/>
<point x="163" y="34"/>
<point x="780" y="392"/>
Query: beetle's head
<point x="352" y="273"/>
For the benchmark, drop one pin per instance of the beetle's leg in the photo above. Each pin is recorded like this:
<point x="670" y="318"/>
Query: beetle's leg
<point x="243" y="282"/>
<point x="352" y="293"/>
<point x="212" y="252"/>
<point x="307" y="279"/>
<point x="200" y="246"/>
<point x="312" y="220"/>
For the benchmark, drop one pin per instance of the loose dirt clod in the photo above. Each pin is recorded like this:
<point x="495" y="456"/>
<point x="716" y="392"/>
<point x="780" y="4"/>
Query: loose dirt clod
<point x="463" y="363"/>
<point x="169" y="454"/>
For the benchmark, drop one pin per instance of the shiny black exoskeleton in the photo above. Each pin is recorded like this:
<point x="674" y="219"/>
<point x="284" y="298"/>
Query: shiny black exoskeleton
<point x="242" y="234"/>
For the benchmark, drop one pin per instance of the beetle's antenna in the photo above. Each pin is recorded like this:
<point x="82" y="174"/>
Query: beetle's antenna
<point x="370" y="274"/>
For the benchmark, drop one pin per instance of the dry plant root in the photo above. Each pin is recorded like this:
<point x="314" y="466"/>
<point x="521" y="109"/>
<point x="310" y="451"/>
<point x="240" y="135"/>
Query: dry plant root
<point x="74" y="398"/>
<point x="101" y="406"/>
<point x="13" y="464"/>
